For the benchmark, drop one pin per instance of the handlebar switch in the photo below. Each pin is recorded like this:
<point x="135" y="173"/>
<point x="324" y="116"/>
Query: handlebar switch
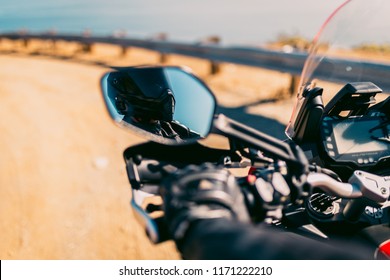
<point x="273" y="190"/>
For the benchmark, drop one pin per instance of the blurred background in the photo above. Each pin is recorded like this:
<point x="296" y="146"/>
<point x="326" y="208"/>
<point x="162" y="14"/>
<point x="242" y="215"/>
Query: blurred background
<point x="235" y="22"/>
<point x="63" y="184"/>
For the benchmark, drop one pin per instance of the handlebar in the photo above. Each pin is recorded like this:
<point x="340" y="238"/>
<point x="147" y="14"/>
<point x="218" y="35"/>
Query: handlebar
<point x="145" y="177"/>
<point x="332" y="186"/>
<point x="361" y="184"/>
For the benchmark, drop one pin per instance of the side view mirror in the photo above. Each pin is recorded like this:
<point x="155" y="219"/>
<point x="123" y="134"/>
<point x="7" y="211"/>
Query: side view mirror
<point x="167" y="105"/>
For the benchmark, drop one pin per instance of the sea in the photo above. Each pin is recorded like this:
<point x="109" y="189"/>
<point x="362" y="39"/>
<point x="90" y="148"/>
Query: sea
<point x="249" y="22"/>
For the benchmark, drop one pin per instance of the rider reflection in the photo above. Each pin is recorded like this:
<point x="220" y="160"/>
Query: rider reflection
<point x="150" y="109"/>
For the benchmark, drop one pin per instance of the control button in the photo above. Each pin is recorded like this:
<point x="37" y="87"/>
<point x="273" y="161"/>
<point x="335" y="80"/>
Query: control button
<point x="326" y="131"/>
<point x="330" y="146"/>
<point x="331" y="153"/>
<point x="371" y="159"/>
<point x="360" y="160"/>
<point x="328" y="139"/>
<point x="365" y="161"/>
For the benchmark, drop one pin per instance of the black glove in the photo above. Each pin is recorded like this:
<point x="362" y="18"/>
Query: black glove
<point x="201" y="192"/>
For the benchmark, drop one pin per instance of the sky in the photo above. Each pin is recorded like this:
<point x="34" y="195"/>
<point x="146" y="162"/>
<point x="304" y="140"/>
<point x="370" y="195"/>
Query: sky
<point x="249" y="21"/>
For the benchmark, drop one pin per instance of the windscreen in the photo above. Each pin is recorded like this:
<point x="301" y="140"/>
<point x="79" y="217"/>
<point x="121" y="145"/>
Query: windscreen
<point x="353" y="45"/>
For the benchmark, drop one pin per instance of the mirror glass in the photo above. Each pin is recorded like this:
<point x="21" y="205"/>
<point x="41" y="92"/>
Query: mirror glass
<point x="164" y="104"/>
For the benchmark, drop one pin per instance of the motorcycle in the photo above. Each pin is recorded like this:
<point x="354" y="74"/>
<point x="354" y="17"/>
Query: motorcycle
<point x="330" y="179"/>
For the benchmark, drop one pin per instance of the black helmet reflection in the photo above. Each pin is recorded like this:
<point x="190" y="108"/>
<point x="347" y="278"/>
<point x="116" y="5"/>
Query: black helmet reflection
<point x="147" y="100"/>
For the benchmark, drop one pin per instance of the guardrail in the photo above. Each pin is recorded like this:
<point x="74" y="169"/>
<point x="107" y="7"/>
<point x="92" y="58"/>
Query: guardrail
<point x="291" y="63"/>
<point x="284" y="62"/>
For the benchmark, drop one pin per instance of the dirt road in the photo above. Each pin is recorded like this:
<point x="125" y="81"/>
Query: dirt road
<point x="63" y="184"/>
<point x="63" y="188"/>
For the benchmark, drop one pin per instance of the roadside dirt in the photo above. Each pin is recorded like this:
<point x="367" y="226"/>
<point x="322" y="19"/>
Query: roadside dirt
<point x="62" y="179"/>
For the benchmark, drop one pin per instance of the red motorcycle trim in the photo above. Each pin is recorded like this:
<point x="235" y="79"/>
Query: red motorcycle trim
<point x="384" y="248"/>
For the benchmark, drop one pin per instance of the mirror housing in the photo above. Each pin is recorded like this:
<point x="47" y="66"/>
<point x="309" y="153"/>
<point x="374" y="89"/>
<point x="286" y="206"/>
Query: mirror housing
<point x="165" y="104"/>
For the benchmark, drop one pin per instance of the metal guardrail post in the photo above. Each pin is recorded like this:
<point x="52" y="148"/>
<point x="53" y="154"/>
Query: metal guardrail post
<point x="124" y="50"/>
<point x="25" y="42"/>
<point x="294" y="83"/>
<point x="163" y="57"/>
<point x="215" y="67"/>
<point x="53" y="44"/>
<point x="86" y="48"/>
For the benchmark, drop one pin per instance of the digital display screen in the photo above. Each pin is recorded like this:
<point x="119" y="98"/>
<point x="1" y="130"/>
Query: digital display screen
<point x="354" y="136"/>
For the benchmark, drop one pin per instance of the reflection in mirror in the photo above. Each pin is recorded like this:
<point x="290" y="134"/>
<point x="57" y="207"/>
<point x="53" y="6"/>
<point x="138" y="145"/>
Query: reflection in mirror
<point x="164" y="104"/>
